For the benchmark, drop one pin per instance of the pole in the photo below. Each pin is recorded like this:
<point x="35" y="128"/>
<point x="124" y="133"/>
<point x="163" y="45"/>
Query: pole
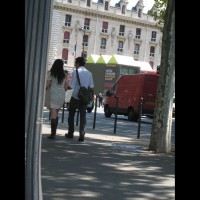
<point x="83" y="39"/>
<point x="139" y="118"/>
<point x="83" y="42"/>
<point x="95" y="111"/>
<point x="38" y="18"/>
<point x="77" y="116"/>
<point x="63" y="109"/>
<point x="116" y="109"/>
<point x="75" y="49"/>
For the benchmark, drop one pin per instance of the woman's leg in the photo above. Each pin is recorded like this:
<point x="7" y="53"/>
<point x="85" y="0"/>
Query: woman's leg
<point x="53" y="123"/>
<point x="57" y="110"/>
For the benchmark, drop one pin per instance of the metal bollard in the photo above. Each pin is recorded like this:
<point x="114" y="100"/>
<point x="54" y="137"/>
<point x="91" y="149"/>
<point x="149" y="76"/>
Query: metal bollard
<point x="95" y="111"/>
<point x="63" y="109"/>
<point x="139" y="117"/>
<point x="77" y="116"/>
<point x="116" y="109"/>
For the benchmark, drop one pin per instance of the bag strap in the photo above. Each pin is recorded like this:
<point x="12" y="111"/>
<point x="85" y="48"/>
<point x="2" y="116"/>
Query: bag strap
<point x="78" y="77"/>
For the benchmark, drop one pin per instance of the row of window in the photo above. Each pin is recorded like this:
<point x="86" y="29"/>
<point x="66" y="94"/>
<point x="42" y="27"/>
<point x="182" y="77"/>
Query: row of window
<point x="99" y="1"/>
<point x="103" y="44"/>
<point x="105" y="28"/>
<point x="106" y="6"/>
<point x="136" y="51"/>
<point x="119" y="49"/>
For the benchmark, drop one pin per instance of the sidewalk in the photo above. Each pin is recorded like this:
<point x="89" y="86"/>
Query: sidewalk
<point x="105" y="166"/>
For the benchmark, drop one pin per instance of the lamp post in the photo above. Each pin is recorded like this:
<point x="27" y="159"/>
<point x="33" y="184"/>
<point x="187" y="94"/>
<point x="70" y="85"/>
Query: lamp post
<point x="83" y="52"/>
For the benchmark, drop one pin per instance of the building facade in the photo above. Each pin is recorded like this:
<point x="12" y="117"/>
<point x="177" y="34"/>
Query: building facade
<point x="83" y="27"/>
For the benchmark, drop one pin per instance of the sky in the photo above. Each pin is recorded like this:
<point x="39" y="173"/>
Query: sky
<point x="147" y="3"/>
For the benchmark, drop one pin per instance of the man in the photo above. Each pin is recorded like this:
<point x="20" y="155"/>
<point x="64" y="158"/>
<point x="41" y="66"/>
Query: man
<point x="86" y="80"/>
<point x="100" y="100"/>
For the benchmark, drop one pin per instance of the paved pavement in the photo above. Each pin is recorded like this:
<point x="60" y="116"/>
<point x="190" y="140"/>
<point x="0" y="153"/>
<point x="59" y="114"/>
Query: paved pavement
<point x="105" y="166"/>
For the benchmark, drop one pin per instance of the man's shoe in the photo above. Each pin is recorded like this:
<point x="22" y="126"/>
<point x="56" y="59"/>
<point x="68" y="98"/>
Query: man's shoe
<point x="68" y="135"/>
<point x="51" y="136"/>
<point x="81" y="138"/>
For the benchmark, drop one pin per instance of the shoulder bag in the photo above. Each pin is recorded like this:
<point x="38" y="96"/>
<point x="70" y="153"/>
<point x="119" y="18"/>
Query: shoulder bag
<point x="84" y="93"/>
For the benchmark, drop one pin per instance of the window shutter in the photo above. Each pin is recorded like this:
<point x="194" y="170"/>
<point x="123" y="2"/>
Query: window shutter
<point x="121" y="29"/>
<point x="87" y="22"/>
<point x="66" y="35"/>
<point x="105" y="25"/>
<point x="123" y="9"/>
<point x="106" y="5"/>
<point x="65" y="54"/>
<point x="138" y="31"/>
<point x="88" y="2"/>
<point x="152" y="50"/>
<point x="85" y="38"/>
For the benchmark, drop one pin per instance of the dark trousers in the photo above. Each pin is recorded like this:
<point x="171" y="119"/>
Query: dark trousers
<point x="76" y="104"/>
<point x="100" y="103"/>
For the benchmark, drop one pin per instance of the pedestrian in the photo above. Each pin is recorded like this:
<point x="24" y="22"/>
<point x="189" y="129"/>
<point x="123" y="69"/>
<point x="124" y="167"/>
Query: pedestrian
<point x="86" y="80"/>
<point x="57" y="81"/>
<point x="100" y="100"/>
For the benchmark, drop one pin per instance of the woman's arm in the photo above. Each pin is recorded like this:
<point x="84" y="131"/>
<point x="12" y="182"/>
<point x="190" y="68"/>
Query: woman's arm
<point x="48" y="80"/>
<point x="66" y="86"/>
<point x="48" y="83"/>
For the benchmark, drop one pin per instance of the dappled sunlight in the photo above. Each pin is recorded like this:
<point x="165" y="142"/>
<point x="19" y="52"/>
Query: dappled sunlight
<point x="105" y="166"/>
<point x="96" y="170"/>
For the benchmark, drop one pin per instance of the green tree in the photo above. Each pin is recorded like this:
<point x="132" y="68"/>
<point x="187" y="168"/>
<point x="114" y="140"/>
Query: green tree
<point x="160" y="140"/>
<point x="158" y="10"/>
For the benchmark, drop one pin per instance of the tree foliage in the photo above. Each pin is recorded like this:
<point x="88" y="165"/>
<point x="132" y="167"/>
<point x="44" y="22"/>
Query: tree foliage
<point x="159" y="10"/>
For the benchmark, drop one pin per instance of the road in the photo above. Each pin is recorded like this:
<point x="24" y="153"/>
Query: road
<point x="123" y="126"/>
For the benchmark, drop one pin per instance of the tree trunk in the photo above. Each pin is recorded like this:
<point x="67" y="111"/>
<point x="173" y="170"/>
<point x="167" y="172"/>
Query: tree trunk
<point x="160" y="141"/>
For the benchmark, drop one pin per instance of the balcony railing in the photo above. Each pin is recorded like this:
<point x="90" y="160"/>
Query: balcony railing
<point x="104" y="30"/>
<point x="136" y="52"/>
<point x="66" y="41"/>
<point x="120" y="49"/>
<point x="137" y="36"/>
<point x="103" y="46"/>
<point x="67" y="23"/>
<point x="86" y="27"/>
<point x="152" y="54"/>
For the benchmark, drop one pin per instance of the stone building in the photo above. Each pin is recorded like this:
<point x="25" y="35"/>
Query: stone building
<point x="84" y="27"/>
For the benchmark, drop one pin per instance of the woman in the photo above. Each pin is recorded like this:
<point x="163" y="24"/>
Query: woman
<point x="57" y="81"/>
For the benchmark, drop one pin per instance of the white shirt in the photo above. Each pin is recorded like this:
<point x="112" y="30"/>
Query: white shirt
<point x="86" y="80"/>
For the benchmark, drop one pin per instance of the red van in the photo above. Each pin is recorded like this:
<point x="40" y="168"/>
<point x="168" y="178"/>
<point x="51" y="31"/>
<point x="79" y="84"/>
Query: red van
<point x="130" y="89"/>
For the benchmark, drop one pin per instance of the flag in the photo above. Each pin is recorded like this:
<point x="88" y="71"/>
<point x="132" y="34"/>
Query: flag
<point x="74" y="51"/>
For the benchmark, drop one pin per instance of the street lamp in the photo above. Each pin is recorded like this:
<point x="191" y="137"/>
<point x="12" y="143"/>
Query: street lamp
<point x="83" y="52"/>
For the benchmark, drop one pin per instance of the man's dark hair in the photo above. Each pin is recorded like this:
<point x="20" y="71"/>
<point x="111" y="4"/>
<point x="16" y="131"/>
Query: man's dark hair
<point x="80" y="60"/>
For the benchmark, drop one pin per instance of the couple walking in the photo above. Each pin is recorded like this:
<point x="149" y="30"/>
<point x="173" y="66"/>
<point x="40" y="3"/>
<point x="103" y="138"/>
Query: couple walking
<point x="58" y="83"/>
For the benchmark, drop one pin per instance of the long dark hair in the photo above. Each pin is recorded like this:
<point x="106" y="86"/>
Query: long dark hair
<point x="57" y="70"/>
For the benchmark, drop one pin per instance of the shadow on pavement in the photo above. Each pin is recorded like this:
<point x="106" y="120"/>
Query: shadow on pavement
<point x="96" y="169"/>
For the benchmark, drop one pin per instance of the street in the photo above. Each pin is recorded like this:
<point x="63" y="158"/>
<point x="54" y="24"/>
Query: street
<point x="125" y="127"/>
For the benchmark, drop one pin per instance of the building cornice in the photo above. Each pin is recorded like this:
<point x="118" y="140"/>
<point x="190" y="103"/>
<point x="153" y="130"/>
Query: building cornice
<point x="104" y="15"/>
